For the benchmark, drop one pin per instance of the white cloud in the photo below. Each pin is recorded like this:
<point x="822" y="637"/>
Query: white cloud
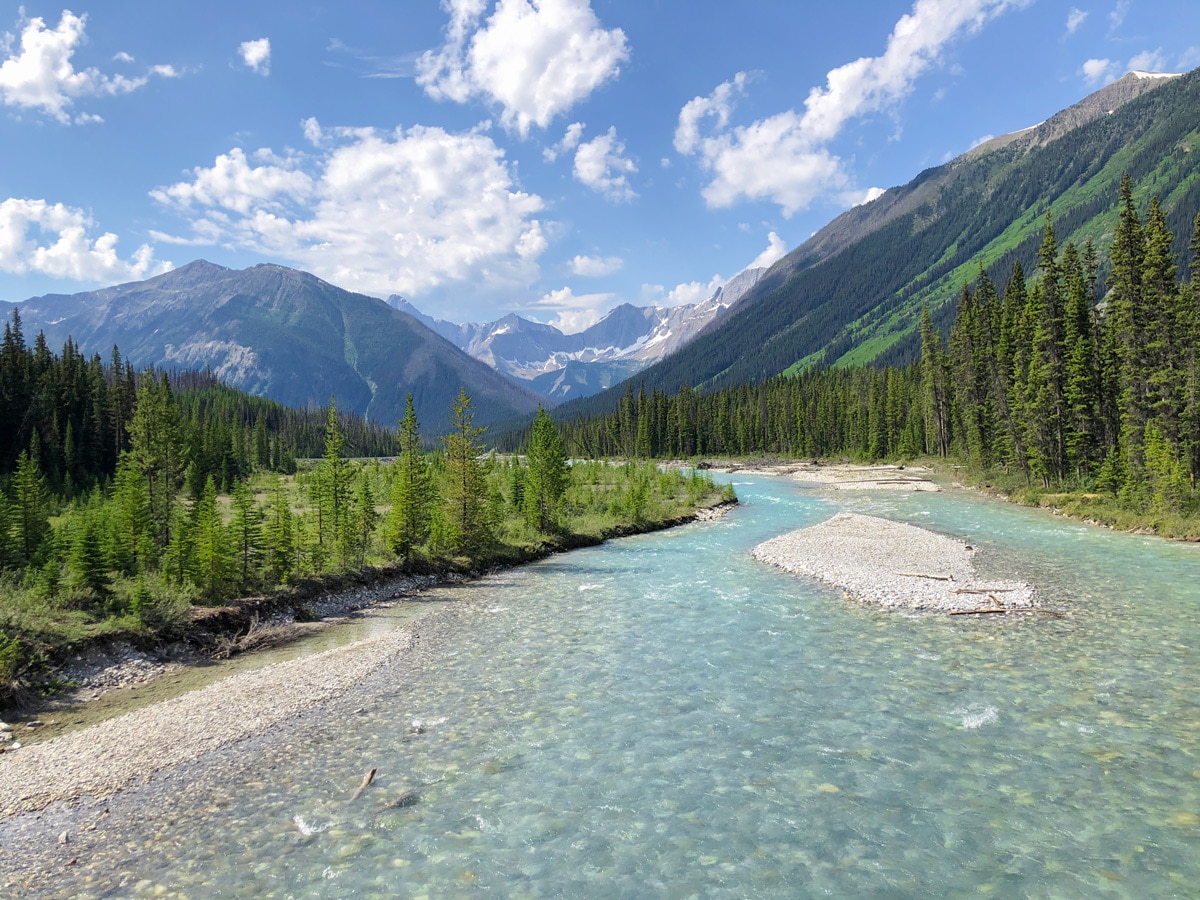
<point x="1116" y="18"/>
<point x="693" y="291"/>
<point x="785" y="158"/>
<point x="573" y="313"/>
<point x="408" y="212"/>
<point x="256" y="55"/>
<point x="1096" y="71"/>
<point x="534" y="58"/>
<point x="40" y="75"/>
<point x="53" y="239"/>
<point x="601" y="164"/>
<point x="595" y="266"/>
<point x="776" y="250"/>
<point x="1149" y="61"/>
<point x="718" y="105"/>
<point x="1075" y="19"/>
<point x="122" y="57"/>
<point x="312" y="131"/>
<point x="1106" y="71"/>
<point x="569" y="142"/>
<point x="980" y="141"/>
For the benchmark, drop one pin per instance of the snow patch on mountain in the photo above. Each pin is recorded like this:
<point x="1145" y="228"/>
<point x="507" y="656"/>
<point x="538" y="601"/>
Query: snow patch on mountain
<point x="628" y="339"/>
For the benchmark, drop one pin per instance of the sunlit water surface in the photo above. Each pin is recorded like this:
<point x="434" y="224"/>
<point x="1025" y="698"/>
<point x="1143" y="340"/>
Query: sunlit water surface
<point x="662" y="715"/>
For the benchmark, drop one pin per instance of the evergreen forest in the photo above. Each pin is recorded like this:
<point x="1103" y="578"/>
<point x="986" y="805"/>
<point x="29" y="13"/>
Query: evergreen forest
<point x="1053" y="382"/>
<point x="127" y="498"/>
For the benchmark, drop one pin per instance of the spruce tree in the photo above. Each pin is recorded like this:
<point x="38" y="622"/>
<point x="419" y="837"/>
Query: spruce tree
<point x="933" y="380"/>
<point x="413" y="494"/>
<point x="156" y="448"/>
<point x="245" y="536"/>
<point x="545" y="474"/>
<point x="280" y="535"/>
<point x="466" y="492"/>
<point x="211" y="556"/>
<point x="30" y="519"/>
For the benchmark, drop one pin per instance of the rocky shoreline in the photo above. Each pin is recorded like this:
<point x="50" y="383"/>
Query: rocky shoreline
<point x="893" y="565"/>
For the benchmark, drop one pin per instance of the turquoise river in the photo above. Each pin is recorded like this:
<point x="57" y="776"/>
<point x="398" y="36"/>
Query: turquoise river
<point x="662" y="716"/>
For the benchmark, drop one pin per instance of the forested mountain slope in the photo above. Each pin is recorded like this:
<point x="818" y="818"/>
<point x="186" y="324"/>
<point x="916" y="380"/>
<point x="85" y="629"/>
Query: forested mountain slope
<point x="279" y="333"/>
<point x="853" y="293"/>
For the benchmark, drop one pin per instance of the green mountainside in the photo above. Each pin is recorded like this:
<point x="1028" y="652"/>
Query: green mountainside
<point x="853" y="293"/>
<point x="283" y="334"/>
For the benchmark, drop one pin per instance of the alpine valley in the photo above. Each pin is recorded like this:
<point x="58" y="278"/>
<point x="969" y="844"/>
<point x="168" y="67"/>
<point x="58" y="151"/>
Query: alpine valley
<point x="852" y="294"/>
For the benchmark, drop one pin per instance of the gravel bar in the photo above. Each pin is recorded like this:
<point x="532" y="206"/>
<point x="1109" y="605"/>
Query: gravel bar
<point x="891" y="564"/>
<point x="119" y="752"/>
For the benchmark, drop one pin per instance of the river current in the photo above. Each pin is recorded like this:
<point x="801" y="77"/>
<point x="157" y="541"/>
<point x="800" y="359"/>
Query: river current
<point x="664" y="716"/>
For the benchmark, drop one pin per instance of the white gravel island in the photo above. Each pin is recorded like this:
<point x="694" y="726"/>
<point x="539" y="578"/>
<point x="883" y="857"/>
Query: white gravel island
<point x="893" y="565"/>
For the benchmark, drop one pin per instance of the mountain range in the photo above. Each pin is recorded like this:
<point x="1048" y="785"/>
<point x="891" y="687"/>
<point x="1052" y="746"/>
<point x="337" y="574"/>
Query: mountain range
<point x="566" y="366"/>
<point x="852" y="293"/>
<point x="283" y="334"/>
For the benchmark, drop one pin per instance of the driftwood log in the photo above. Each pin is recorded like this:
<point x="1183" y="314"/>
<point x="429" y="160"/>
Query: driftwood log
<point x="1006" y="609"/>
<point x="367" y="779"/>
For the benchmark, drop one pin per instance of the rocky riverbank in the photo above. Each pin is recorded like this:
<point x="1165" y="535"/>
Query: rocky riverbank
<point x="892" y="564"/>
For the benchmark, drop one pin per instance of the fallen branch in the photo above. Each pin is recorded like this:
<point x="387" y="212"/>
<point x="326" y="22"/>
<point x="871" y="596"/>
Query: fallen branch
<point x="983" y="590"/>
<point x="923" y="575"/>
<point x="1006" y="609"/>
<point x="367" y="779"/>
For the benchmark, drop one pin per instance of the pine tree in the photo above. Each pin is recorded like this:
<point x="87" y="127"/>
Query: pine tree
<point x="466" y="491"/>
<point x="280" y="535"/>
<point x="131" y="529"/>
<point x="87" y="564"/>
<point x="933" y="379"/>
<point x="1127" y="322"/>
<point x="245" y="536"/>
<point x="156" y="448"/>
<point x="30" y="520"/>
<point x="331" y="489"/>
<point x="362" y="520"/>
<point x="546" y="473"/>
<point x="1081" y="386"/>
<point x="413" y="494"/>
<point x="210" y="559"/>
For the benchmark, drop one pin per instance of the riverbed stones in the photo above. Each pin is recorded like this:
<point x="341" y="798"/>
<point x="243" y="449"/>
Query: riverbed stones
<point x="891" y="564"/>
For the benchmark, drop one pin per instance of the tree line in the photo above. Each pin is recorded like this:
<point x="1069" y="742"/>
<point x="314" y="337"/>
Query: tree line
<point x="1057" y="379"/>
<point x="191" y="514"/>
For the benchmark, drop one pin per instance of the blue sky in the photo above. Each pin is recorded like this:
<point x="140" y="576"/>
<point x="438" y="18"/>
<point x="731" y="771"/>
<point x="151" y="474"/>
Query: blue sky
<point x="546" y="157"/>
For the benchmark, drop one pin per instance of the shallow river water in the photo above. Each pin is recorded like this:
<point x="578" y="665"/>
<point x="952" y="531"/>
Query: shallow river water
<point x="664" y="716"/>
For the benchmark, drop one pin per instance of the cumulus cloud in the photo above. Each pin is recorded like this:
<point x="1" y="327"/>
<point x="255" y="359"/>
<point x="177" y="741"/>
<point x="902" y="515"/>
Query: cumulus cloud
<point x="785" y="158"/>
<point x="256" y="55"/>
<point x="595" y="266"/>
<point x="37" y="237"/>
<point x="569" y="142"/>
<point x="776" y="250"/>
<point x="1075" y="19"/>
<point x="408" y="211"/>
<point x="1106" y="71"/>
<point x="40" y="76"/>
<point x="1096" y="71"/>
<point x="532" y="58"/>
<point x="571" y="313"/>
<point x="690" y="292"/>
<point x="601" y="165"/>
<point x="1149" y="61"/>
